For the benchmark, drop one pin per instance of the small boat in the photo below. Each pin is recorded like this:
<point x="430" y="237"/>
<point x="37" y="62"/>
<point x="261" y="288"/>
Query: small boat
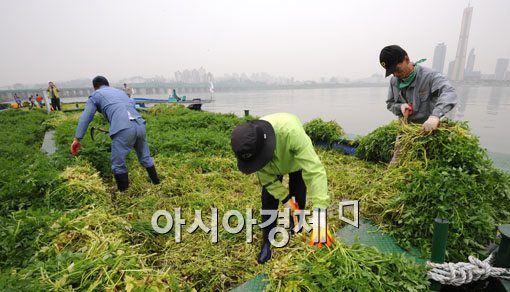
<point x="194" y="104"/>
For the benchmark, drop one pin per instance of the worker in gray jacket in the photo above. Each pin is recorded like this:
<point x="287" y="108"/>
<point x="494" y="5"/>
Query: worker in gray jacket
<point x="127" y="129"/>
<point x="419" y="94"/>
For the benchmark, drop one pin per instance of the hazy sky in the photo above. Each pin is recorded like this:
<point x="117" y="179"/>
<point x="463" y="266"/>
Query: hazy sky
<point x="63" y="39"/>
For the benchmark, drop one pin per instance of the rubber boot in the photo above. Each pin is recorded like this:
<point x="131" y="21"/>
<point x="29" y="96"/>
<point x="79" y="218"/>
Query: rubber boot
<point x="265" y="253"/>
<point x="122" y="181"/>
<point x="153" y="175"/>
<point x="265" y="250"/>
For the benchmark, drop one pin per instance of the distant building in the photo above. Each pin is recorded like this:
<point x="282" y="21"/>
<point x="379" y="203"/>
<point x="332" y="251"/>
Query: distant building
<point x="501" y="68"/>
<point x="507" y="76"/>
<point x="460" y="57"/>
<point x="470" y="74"/>
<point x="450" y="70"/>
<point x="439" y="57"/>
<point x="470" y="62"/>
<point x="193" y="76"/>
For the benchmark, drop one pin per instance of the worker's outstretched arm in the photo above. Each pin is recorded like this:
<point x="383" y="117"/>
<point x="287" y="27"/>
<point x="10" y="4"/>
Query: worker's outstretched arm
<point x="85" y="118"/>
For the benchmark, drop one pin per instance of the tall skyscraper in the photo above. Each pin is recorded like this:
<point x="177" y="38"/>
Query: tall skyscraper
<point x="439" y="56"/>
<point x="501" y="67"/>
<point x="460" y="57"/>
<point x="470" y="62"/>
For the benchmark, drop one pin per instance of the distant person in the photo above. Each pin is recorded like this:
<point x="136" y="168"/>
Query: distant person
<point x="174" y="95"/>
<point x="39" y="99"/>
<point x="17" y="100"/>
<point x="419" y="94"/>
<point x="31" y="101"/>
<point x="127" y="90"/>
<point x="127" y="130"/>
<point x="53" y="95"/>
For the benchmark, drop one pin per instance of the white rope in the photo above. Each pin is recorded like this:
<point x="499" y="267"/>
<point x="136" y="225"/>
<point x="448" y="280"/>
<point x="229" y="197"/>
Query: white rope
<point x="457" y="274"/>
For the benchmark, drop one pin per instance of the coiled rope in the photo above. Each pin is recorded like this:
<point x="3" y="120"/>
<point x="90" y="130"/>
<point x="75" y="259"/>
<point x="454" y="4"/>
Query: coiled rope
<point x="457" y="274"/>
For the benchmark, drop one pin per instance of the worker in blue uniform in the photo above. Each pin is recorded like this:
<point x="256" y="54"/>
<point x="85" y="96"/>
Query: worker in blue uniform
<point x="127" y="130"/>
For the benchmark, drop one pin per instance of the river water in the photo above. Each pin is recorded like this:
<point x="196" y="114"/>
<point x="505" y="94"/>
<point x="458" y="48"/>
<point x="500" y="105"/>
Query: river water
<point x="361" y="110"/>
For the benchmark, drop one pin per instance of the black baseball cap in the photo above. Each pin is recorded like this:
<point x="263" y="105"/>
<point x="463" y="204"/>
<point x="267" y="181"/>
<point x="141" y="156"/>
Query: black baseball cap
<point x="253" y="143"/>
<point x="390" y="56"/>
<point x="99" y="81"/>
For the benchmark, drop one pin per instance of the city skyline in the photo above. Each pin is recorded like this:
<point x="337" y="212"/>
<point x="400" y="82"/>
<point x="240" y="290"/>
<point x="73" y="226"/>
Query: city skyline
<point x="199" y="75"/>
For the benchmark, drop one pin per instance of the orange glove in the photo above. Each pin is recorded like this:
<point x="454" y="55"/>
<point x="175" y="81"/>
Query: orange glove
<point x="317" y="239"/>
<point x="320" y="232"/>
<point x="75" y="146"/>
<point x="294" y="207"/>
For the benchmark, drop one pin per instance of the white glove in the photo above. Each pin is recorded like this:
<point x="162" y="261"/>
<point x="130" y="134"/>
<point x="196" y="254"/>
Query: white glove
<point x="430" y="124"/>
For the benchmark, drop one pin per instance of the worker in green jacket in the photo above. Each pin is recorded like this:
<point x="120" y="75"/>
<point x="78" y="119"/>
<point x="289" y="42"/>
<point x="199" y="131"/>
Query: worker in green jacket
<point x="277" y="145"/>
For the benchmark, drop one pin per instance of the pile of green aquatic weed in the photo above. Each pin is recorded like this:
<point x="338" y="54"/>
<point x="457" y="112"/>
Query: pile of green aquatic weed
<point x="349" y="178"/>
<point x="174" y="129"/>
<point x="343" y="268"/>
<point x="319" y="130"/>
<point x="88" y="247"/>
<point x="199" y="182"/>
<point x="80" y="185"/>
<point x="379" y="144"/>
<point x="20" y="233"/>
<point x="443" y="174"/>
<point x="91" y="251"/>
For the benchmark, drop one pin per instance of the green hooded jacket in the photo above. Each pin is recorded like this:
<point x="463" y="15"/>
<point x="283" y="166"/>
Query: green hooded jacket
<point x="294" y="151"/>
